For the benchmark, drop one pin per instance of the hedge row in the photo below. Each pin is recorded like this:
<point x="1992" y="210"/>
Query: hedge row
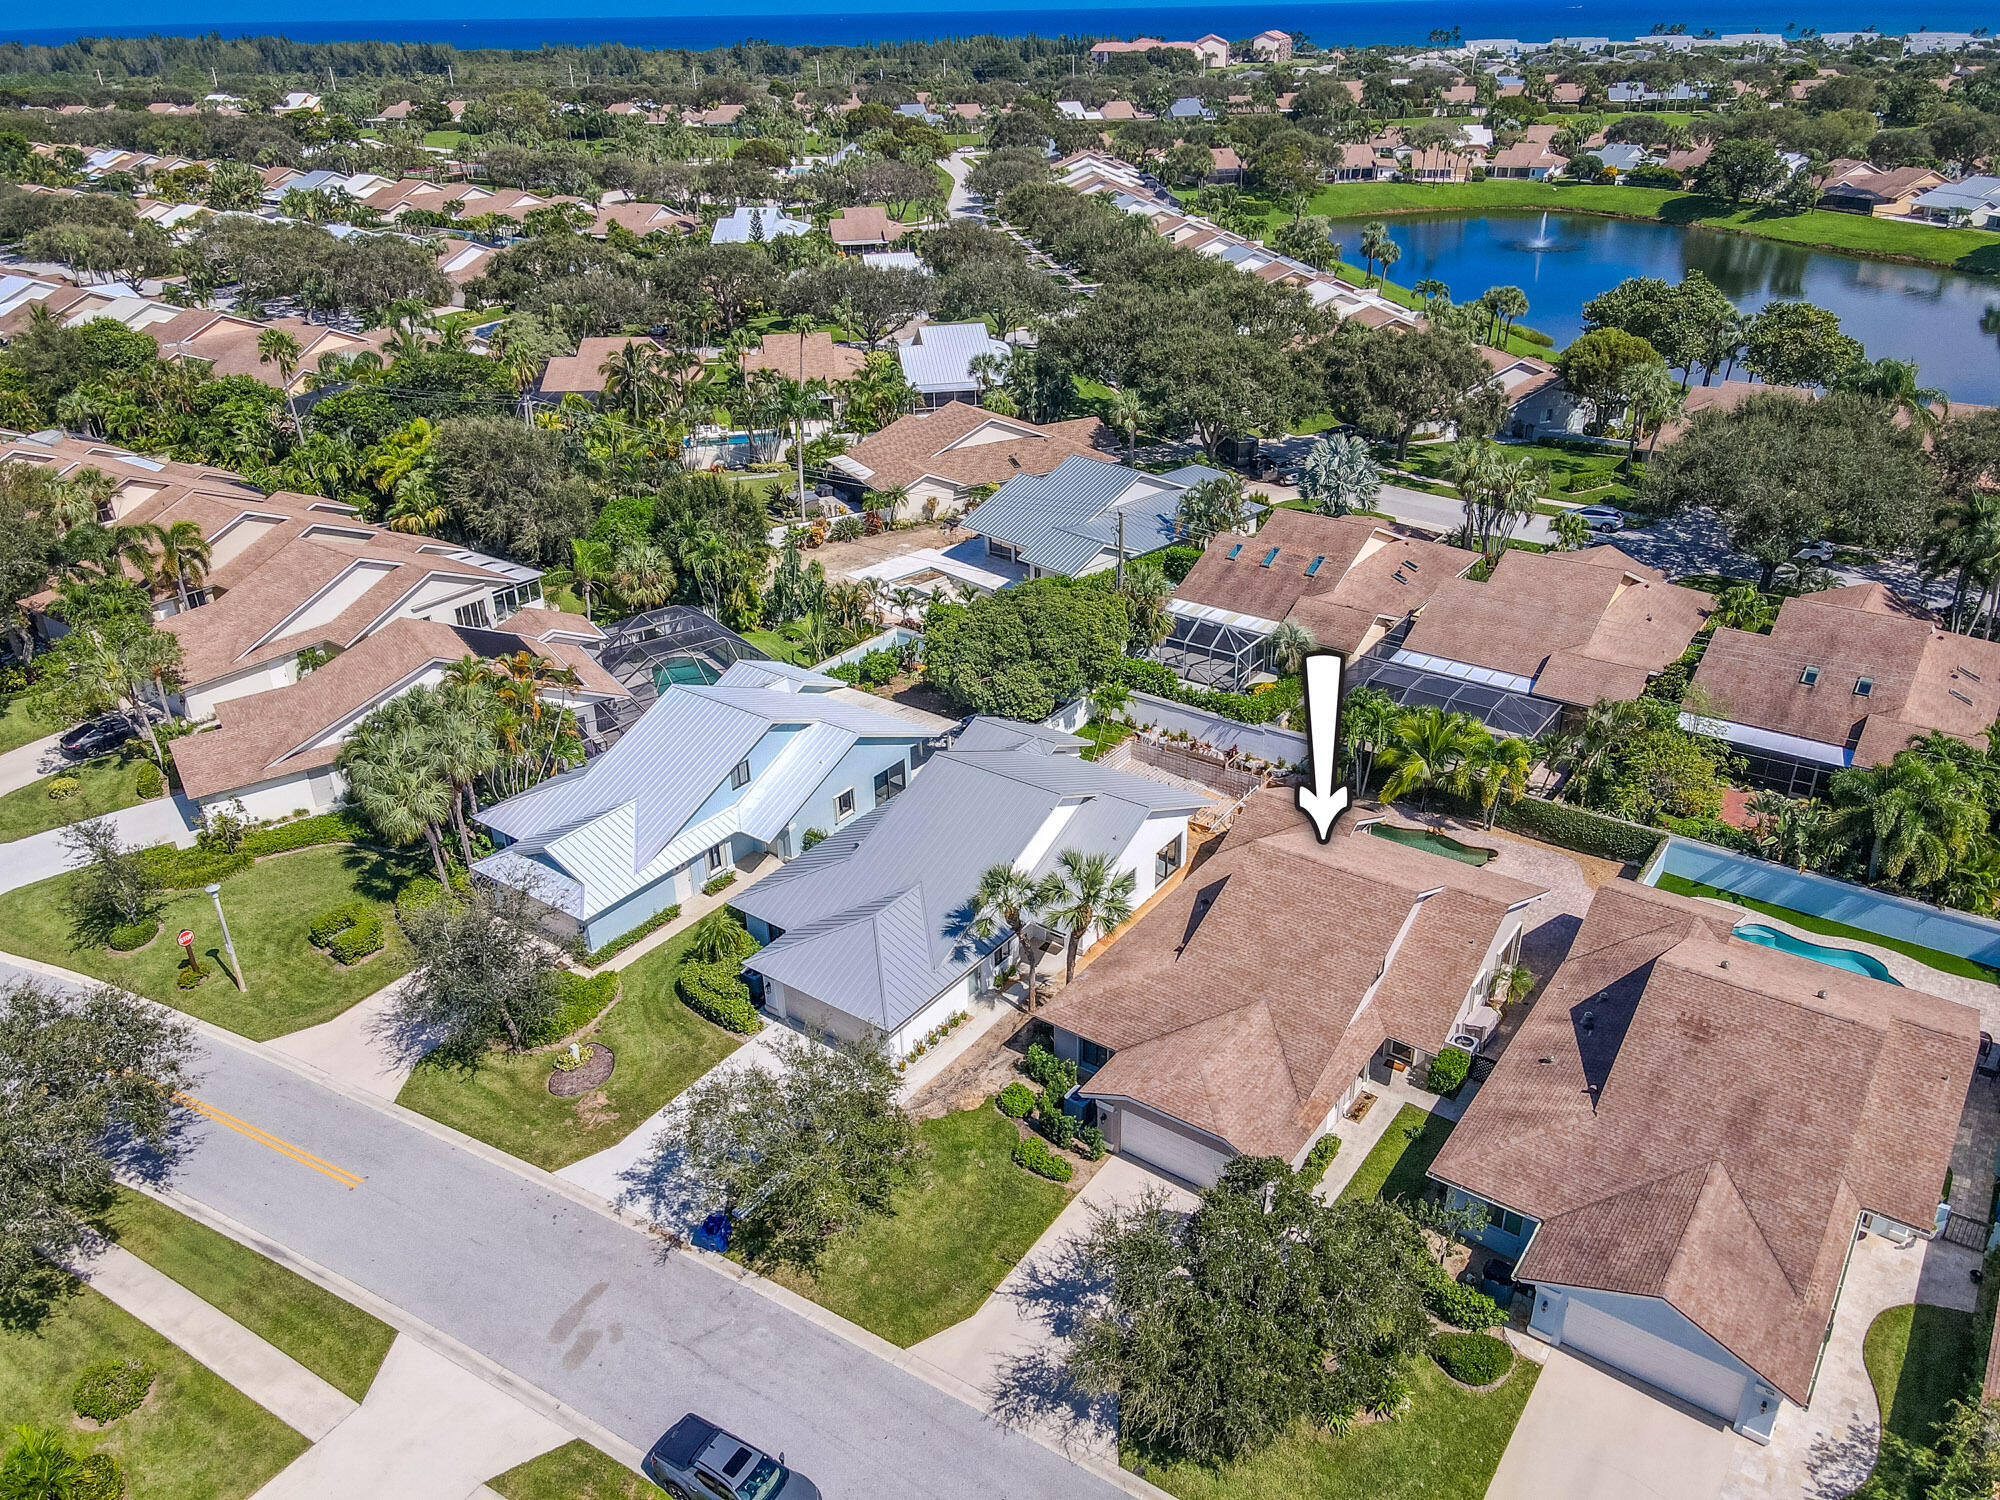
<point x="349" y="932"/>
<point x="592" y="957"/>
<point x="1030" y="1152"/>
<point x="1462" y="1306"/>
<point x="1244" y="708"/>
<point x="1574" y="828"/>
<point x="718" y="992"/>
<point x="1313" y="1169"/>
<point x="1472" y="1358"/>
<point x="187" y="869"/>
<point x="583" y="1001"/>
<point x="1016" y="1100"/>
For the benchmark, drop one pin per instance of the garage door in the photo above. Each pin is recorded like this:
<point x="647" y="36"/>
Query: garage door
<point x="1173" y="1153"/>
<point x="1677" y="1371"/>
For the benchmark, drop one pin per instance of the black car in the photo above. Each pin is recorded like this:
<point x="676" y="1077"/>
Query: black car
<point x="696" y="1460"/>
<point x="95" y="737"/>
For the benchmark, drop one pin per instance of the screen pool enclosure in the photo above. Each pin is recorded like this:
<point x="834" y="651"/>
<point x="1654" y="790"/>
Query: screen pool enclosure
<point x="1506" y="713"/>
<point x="663" y="648"/>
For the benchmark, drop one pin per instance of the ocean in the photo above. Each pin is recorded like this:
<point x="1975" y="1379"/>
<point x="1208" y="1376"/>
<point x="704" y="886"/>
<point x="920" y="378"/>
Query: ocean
<point x="695" y="24"/>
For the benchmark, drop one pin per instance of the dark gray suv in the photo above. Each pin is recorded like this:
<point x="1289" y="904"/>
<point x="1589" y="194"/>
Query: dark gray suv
<point x="696" y="1460"/>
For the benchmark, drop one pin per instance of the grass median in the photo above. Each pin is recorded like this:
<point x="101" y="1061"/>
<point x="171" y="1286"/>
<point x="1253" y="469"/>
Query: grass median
<point x="104" y="786"/>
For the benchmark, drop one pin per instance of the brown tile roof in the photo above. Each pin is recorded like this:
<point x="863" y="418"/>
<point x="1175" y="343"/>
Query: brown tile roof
<point x="1362" y="577"/>
<point x="865" y="225"/>
<point x="583" y="371"/>
<point x="966" y="446"/>
<point x="642" y="219"/>
<point x="271" y="734"/>
<point x="1920" y="677"/>
<point x="1236" y="1007"/>
<point x="805" y="356"/>
<point x="539" y="624"/>
<point x="1645" y="1115"/>
<point x="1581" y="625"/>
<point x="1523" y="155"/>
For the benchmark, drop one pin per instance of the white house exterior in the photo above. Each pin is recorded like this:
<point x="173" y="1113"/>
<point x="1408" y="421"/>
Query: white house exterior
<point x="867" y="934"/>
<point x="708" y="779"/>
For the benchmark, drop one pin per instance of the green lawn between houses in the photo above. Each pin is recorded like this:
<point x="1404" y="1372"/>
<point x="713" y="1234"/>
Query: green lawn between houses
<point x="954" y="1233"/>
<point x="334" y="1339"/>
<point x="108" y="783"/>
<point x="660" y="1045"/>
<point x="18" y="727"/>
<point x="1586" y="474"/>
<point x="1937" y="958"/>
<point x="269" y="906"/>
<point x="1919" y="1358"/>
<point x="1396" y="1166"/>
<point x="196" y="1438"/>
<point x="575" y="1471"/>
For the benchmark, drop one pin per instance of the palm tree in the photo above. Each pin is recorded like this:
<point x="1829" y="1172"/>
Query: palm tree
<point x="1146" y="591"/>
<point x="277" y="346"/>
<point x="1964" y="537"/>
<point x="398" y="782"/>
<point x="1289" y="645"/>
<point x="1493" y="766"/>
<point x="1505" y="304"/>
<point x="1340" y="475"/>
<point x="1895" y="381"/>
<point x="628" y="373"/>
<point x="1425" y="749"/>
<point x="1125" y="414"/>
<point x="39" y="1466"/>
<point x="183" y="560"/>
<point x="589" y="562"/>
<point x="1572" y="532"/>
<point x="1653" y="399"/>
<point x="1007" y="898"/>
<point x="1743" y="607"/>
<point x="1212" y="506"/>
<point x="1918" y="815"/>
<point x="1085" y="891"/>
<point x="458" y="720"/>
<point x="1375" y="242"/>
<point x="1499" y="492"/>
<point x="1367" y="718"/>
<point x="1432" y="291"/>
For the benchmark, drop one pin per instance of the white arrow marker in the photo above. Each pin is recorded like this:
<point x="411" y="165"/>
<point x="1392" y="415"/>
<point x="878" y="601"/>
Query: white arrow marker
<point x="1321" y="800"/>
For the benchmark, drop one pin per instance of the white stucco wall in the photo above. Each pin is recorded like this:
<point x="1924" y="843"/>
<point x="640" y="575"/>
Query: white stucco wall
<point x="316" y="791"/>
<point x="202" y="698"/>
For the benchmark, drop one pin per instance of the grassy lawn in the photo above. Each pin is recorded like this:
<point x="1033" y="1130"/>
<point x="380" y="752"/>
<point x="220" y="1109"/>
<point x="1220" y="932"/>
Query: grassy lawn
<point x="1396" y="1167"/>
<point x="109" y="783"/>
<point x="951" y="1238"/>
<point x="270" y="905"/>
<point x="1919" y="1358"/>
<point x="575" y="1471"/>
<point x="449" y="139"/>
<point x="660" y="1045"/>
<point x="1937" y="958"/>
<point x="18" y="727"/>
<point x="196" y="1438"/>
<point x="1444" y="1447"/>
<point x="786" y="643"/>
<point x="1963" y="249"/>
<point x="334" y="1339"/>
<point x="1103" y="735"/>
<point x="1579" y="473"/>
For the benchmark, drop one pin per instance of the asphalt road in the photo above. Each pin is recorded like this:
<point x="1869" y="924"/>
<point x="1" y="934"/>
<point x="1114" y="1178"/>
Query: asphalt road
<point x="592" y="1311"/>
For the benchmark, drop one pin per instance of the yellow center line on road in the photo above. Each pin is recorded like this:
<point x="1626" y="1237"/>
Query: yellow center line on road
<point x="298" y="1154"/>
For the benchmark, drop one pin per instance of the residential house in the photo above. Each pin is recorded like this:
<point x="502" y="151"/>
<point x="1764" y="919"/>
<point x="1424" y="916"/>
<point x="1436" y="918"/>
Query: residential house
<point x="1212" y="50"/>
<point x="1235" y="1018"/>
<point x="1528" y="159"/>
<point x="1359" y="162"/>
<point x="1272" y="46"/>
<point x="1673" y="1205"/>
<point x="641" y="219"/>
<point x="296" y="100"/>
<point x="1350" y="580"/>
<point x="583" y="373"/>
<point x="742" y="226"/>
<point x="1228" y="168"/>
<point x="939" y="457"/>
<point x="938" y="361"/>
<point x="1189" y="108"/>
<point x="804" y="356"/>
<point x="1538" y="403"/>
<point x="707" y="781"/>
<point x="1847" y="677"/>
<point x="1973" y="201"/>
<point x="461" y="261"/>
<point x="1856" y="187"/>
<point x="1102" y="51"/>
<point x="867" y="934"/>
<point x="864" y="228"/>
<point x="1438" y="164"/>
<point x="1083" y="515"/>
<point x="1462" y="98"/>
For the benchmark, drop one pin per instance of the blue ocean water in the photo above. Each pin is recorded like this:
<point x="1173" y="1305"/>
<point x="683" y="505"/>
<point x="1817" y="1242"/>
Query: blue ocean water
<point x="700" y="24"/>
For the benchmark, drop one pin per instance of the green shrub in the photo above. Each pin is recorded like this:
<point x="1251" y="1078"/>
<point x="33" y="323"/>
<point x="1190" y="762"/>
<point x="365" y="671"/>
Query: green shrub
<point x="191" y="973"/>
<point x="876" y="668"/>
<point x="1057" y="1125"/>
<point x="810" y="837"/>
<point x="1016" y="1100"/>
<point x="1090" y="1143"/>
<point x="721" y="882"/>
<point x="130" y="935"/>
<point x="1177" y="562"/>
<point x="151" y="781"/>
<point x="1461" y="1306"/>
<point x="98" y="1477"/>
<point x="1574" y="828"/>
<point x="63" y="788"/>
<point x="349" y="932"/>
<point x="110" y="1388"/>
<point x="718" y="992"/>
<point x="583" y="1001"/>
<point x="190" y="869"/>
<point x="1030" y="1152"/>
<point x="1448" y="1070"/>
<point x="1472" y="1358"/>
<point x="1533" y="336"/>
<point x="592" y="957"/>
<point x="1313" y="1169"/>
<point x="421" y="892"/>
<point x="720" y="938"/>
<point x="1056" y="1074"/>
<point x="342" y="827"/>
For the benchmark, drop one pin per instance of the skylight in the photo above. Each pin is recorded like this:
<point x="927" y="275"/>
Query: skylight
<point x="1313" y="566"/>
<point x="1863" y="686"/>
<point x="1269" y="558"/>
<point x="1233" y="551"/>
<point x="1809" y="676"/>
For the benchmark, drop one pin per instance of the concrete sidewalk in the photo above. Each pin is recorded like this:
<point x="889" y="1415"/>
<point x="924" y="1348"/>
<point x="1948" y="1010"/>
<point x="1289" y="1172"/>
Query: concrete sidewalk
<point x="267" y="1375"/>
<point x="361" y="1046"/>
<point x="164" y="820"/>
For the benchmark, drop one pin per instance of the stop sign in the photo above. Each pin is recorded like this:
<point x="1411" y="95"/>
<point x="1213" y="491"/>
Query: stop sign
<point x="186" y="938"/>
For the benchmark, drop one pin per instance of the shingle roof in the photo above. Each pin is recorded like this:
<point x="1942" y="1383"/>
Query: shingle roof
<point x="1237" y="1006"/>
<point x="1638" y="1115"/>
<point x="804" y="356"/>
<point x="865" y="225"/>
<point x="965" y="445"/>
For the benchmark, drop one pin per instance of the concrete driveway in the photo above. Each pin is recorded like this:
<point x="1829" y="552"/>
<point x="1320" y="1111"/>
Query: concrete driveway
<point x="164" y="820"/>
<point x="1590" y="1435"/>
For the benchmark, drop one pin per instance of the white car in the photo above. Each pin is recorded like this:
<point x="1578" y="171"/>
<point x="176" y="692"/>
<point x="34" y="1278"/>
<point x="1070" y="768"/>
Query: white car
<point x="1602" y="517"/>
<point x="1820" y="552"/>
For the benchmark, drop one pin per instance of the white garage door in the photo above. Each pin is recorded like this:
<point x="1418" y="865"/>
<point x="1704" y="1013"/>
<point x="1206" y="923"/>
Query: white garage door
<point x="1169" y="1150"/>
<point x="1677" y="1371"/>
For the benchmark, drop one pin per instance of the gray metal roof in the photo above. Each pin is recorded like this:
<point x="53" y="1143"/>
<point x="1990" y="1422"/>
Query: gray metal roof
<point x="1060" y="521"/>
<point x="984" y="733"/>
<point x="875" y="918"/>
<point x="940" y="357"/>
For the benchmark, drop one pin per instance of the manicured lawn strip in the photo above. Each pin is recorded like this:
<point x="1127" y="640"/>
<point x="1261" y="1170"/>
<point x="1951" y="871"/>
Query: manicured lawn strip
<point x="18" y="727"/>
<point x="1103" y="735"/>
<point x="575" y="1471"/>
<point x="1937" y="958"/>
<point x="196" y="1438"/>
<point x="108" y="783"/>
<point x="1396" y="1166"/>
<point x="952" y="1237"/>
<point x="783" y="644"/>
<point x="334" y="1339"/>
<point x="1962" y="249"/>
<point x="1445" y="1446"/>
<point x="661" y="1047"/>
<point x="269" y="905"/>
<point x="1919" y="1358"/>
<point x="1572" y="475"/>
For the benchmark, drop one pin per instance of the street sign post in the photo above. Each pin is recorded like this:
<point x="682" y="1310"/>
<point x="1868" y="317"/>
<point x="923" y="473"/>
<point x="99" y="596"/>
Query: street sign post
<point x="186" y="938"/>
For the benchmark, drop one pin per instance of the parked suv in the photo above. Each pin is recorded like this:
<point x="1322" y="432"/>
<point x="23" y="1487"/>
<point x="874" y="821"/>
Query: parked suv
<point x="696" y="1460"/>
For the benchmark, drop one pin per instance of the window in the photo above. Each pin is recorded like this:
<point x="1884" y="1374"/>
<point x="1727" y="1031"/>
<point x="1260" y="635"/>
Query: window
<point x="843" y="806"/>
<point x="1233" y="551"/>
<point x="1269" y="558"/>
<point x="1090" y="1056"/>
<point x="1167" y="860"/>
<point x="740" y="776"/>
<point x="888" y="783"/>
<point x="1809" y="676"/>
<point x="1313" y="566"/>
<point x="473" y="616"/>
<point x="1863" y="686"/>
<point x="1510" y="1222"/>
<point x="716" y="856"/>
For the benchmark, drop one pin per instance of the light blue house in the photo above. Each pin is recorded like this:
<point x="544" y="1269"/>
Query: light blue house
<point x="710" y="779"/>
<point x="1071" y="520"/>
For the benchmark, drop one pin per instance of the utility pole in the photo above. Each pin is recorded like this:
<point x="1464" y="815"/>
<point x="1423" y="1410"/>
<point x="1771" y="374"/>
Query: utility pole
<point x="1121" y="549"/>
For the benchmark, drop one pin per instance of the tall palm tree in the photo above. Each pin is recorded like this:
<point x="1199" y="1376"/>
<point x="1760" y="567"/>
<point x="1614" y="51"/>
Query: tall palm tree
<point x="1375" y="243"/>
<point x="1289" y="645"/>
<point x="1918" y="815"/>
<point x="278" y="346"/>
<point x="1895" y="381"/>
<point x="1085" y="891"/>
<point x="1492" y="767"/>
<point x="1125" y="414"/>
<point x="458" y="722"/>
<point x="397" y="780"/>
<point x="1007" y="898"/>
<point x="1367" y="719"/>
<point x="183" y="560"/>
<point x="1426" y="747"/>
<point x="1572" y="532"/>
<point x="1504" y="304"/>
<point x="1653" y="398"/>
<point x="590" y="561"/>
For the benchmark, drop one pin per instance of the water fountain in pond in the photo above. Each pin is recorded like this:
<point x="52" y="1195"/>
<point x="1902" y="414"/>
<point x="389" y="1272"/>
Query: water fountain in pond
<point x="1542" y="240"/>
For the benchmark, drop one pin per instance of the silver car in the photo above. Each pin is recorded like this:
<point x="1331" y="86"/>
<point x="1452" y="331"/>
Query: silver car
<point x="696" y="1460"/>
<point x="1602" y="517"/>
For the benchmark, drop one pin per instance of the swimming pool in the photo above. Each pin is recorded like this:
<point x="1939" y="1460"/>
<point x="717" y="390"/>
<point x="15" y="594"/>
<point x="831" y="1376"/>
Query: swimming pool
<point x="1839" y="958"/>
<point x="1434" y="843"/>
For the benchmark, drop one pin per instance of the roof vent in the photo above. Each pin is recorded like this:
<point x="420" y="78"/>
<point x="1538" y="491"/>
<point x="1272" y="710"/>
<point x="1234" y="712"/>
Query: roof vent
<point x="1822" y="994"/>
<point x="1959" y="696"/>
<point x="1725" y="963"/>
<point x="1545" y="1061"/>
